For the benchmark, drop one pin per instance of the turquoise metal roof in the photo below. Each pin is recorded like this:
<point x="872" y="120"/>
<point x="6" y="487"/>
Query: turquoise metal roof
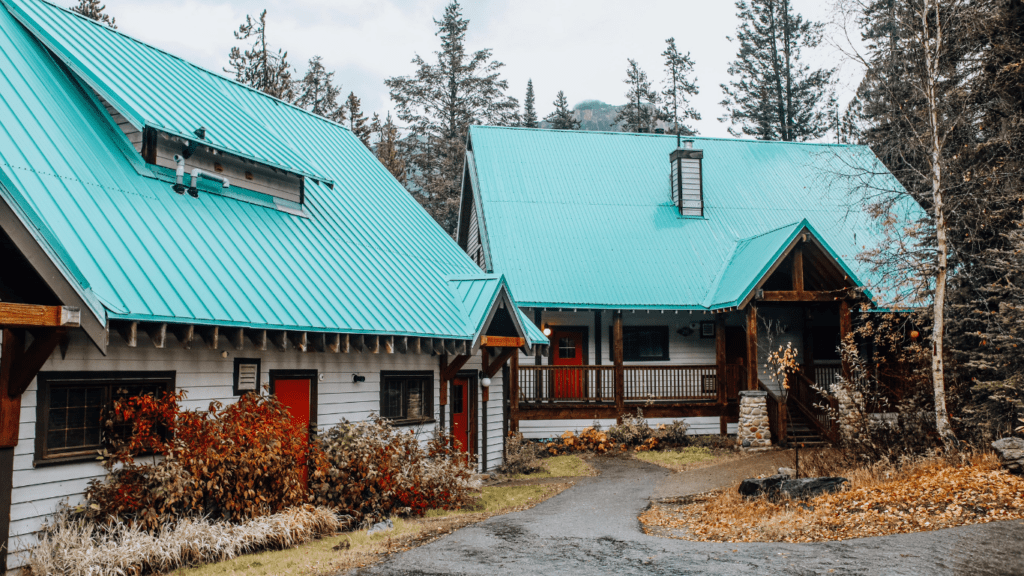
<point x="366" y="259"/>
<point x="585" y="219"/>
<point x="478" y="295"/>
<point x="153" y="88"/>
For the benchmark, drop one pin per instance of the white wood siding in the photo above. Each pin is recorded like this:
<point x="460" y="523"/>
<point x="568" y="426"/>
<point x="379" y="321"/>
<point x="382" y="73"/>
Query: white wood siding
<point x="473" y="246"/>
<point x="206" y="376"/>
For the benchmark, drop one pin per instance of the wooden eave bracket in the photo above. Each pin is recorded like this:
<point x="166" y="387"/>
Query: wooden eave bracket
<point x="450" y="370"/>
<point x="19" y="366"/>
<point x="36" y="316"/>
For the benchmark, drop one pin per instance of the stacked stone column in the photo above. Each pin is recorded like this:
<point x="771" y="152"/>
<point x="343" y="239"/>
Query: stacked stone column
<point x="754" y="431"/>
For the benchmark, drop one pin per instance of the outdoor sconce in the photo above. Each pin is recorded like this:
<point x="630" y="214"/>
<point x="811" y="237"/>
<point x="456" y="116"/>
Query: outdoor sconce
<point x="356" y="378"/>
<point x="546" y="330"/>
<point x="484" y="380"/>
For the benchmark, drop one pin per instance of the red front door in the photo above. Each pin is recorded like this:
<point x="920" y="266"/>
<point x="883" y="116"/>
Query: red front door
<point x="460" y="413"/>
<point x="568" y="351"/>
<point x="294" y="394"/>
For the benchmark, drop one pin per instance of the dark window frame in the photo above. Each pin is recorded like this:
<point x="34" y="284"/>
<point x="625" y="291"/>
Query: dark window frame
<point x="46" y="382"/>
<point x="259" y="373"/>
<point x="427" y="391"/>
<point x="662" y="332"/>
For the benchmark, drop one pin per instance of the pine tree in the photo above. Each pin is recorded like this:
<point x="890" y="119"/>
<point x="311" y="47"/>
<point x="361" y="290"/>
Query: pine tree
<point x="388" y="147"/>
<point x="356" y="119"/>
<point x="640" y="114"/>
<point x="676" y="109"/>
<point x="438" y="103"/>
<point x="775" y="95"/>
<point x="94" y="10"/>
<point x="529" y="109"/>
<point x="317" y="93"/>
<point x="562" y="118"/>
<point x="259" y="66"/>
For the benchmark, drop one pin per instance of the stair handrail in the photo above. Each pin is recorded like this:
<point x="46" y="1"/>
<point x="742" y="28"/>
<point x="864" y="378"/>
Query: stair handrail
<point x="776" y="416"/>
<point x="809" y="412"/>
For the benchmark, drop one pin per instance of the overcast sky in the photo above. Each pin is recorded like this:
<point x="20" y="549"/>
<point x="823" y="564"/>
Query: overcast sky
<point x="579" y="46"/>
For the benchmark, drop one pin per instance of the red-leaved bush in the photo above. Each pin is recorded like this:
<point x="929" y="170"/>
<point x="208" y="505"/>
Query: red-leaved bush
<point x="232" y="462"/>
<point x="376" y="471"/>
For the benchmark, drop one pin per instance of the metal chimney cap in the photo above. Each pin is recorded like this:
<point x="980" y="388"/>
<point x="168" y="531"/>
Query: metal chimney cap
<point x="688" y="144"/>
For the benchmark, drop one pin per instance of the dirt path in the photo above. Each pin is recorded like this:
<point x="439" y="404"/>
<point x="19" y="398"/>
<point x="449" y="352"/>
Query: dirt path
<point x="592" y="528"/>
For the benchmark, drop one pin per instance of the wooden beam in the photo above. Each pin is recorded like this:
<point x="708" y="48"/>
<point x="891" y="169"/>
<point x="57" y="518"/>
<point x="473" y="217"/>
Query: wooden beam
<point x="184" y="333"/>
<point x="513" y="394"/>
<point x="502" y="342"/>
<point x="388" y="344"/>
<point x="25" y="364"/>
<point x="236" y="337"/>
<point x="752" y="361"/>
<point x="279" y="339"/>
<point x="334" y="343"/>
<point x="449" y="347"/>
<point x="720" y="369"/>
<point x="601" y="411"/>
<point x="492" y="369"/>
<point x="258" y="338"/>
<point x="845" y="327"/>
<point x="157" y="333"/>
<point x="358" y="342"/>
<point x="451" y="370"/>
<point x="802" y="296"/>
<point x="798" y="269"/>
<point x="401" y="344"/>
<point x="415" y="345"/>
<point x="346" y="343"/>
<point x="210" y="335"/>
<point x="11" y="350"/>
<point x="439" y="347"/>
<point x="372" y="342"/>
<point x="443" y="396"/>
<point x="34" y="316"/>
<point x="620" y="371"/>
<point x="129" y="332"/>
<point x="299" y="339"/>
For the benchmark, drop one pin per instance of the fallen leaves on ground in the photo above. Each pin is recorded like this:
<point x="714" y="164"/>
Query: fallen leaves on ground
<point x="930" y="495"/>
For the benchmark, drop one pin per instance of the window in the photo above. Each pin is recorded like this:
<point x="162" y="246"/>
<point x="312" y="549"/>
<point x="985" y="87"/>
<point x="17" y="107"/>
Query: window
<point x="70" y="406"/>
<point x="247" y="376"/>
<point x="643" y="343"/>
<point x="707" y="329"/>
<point x="566" y="348"/>
<point x="407" y="397"/>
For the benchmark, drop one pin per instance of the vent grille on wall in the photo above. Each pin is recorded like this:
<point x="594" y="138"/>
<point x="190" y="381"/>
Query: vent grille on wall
<point x="247" y="376"/>
<point x="688" y="180"/>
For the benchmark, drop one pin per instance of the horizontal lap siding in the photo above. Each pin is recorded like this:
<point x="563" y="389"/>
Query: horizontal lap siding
<point x="206" y="376"/>
<point x="540" y="429"/>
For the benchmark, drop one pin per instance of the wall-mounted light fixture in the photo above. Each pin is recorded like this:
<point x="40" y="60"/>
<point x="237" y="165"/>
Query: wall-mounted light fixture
<point x="484" y="380"/>
<point x="546" y="330"/>
<point x="356" y="378"/>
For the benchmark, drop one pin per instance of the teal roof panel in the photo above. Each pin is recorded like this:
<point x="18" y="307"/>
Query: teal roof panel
<point x="366" y="258"/>
<point x="585" y="219"/>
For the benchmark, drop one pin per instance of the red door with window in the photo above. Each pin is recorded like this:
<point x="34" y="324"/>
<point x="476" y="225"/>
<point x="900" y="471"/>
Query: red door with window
<point x="295" y="395"/>
<point x="568" y="352"/>
<point x="460" y="413"/>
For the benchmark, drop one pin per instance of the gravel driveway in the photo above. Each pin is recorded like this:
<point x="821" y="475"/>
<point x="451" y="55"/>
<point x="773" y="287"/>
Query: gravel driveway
<point x="592" y="528"/>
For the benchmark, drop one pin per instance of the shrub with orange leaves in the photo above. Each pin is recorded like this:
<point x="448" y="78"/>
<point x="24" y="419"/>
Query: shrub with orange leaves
<point x="233" y="462"/>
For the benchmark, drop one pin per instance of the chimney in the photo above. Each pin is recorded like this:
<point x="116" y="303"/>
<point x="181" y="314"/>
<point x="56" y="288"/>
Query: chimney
<point x="688" y="179"/>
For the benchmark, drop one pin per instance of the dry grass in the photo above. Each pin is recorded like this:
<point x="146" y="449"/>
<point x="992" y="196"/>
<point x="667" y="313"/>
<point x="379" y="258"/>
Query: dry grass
<point x="926" y="495"/>
<point x="357" y="549"/>
<point x="687" y="458"/>
<point x="75" y="546"/>
<point x="566" y="466"/>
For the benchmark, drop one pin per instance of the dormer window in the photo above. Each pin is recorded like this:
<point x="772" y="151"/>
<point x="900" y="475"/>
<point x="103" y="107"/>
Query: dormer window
<point x="688" y="180"/>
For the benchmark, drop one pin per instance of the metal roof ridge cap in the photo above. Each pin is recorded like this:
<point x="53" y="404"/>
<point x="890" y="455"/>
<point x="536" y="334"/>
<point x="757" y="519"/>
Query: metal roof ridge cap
<point x="667" y="135"/>
<point x="707" y="301"/>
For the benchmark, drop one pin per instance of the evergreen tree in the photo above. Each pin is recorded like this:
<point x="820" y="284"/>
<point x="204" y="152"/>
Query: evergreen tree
<point x="676" y="109"/>
<point x="388" y="147"/>
<point x="317" y="93"/>
<point x="94" y="10"/>
<point x="640" y="114"/>
<point x="775" y="96"/>
<point x="529" y="109"/>
<point x="259" y="66"/>
<point x="562" y="118"/>
<point x="356" y="119"/>
<point x="438" y="103"/>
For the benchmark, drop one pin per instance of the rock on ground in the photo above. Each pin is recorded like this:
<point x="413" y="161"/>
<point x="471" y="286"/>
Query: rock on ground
<point x="1011" y="453"/>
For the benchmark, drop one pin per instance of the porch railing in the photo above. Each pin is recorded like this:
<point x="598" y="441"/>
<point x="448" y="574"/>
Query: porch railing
<point x="818" y="408"/>
<point x="539" y="384"/>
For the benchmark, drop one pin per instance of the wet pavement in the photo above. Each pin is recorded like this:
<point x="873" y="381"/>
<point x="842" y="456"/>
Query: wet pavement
<point x="592" y="528"/>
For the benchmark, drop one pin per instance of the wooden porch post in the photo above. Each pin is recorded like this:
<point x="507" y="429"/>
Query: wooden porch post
<point x="620" y="372"/>
<point x="845" y="327"/>
<point x="752" y="361"/>
<point x="513" y="393"/>
<point x="720" y="375"/>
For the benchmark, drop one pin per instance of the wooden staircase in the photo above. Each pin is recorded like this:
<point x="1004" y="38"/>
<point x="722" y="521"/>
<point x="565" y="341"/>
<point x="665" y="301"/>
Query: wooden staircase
<point x="800" y="432"/>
